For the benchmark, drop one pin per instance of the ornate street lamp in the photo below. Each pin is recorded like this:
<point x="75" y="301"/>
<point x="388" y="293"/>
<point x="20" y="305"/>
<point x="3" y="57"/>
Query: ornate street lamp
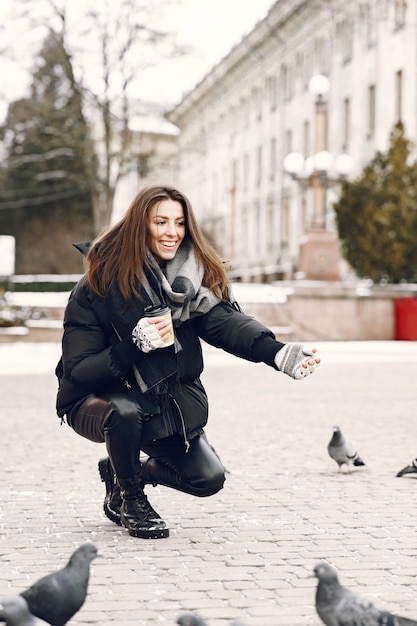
<point x="319" y="249"/>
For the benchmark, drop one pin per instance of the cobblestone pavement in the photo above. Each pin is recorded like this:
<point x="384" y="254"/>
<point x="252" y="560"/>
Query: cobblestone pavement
<point x="246" y="553"/>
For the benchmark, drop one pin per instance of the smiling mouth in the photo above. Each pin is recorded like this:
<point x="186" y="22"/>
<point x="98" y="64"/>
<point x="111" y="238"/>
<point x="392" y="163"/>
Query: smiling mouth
<point x="168" y="244"/>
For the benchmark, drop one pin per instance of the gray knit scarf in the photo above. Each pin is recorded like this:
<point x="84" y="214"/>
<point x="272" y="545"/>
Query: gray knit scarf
<point x="180" y="285"/>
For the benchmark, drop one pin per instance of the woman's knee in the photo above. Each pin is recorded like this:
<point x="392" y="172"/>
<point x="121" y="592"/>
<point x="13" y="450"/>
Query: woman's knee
<point x="89" y="418"/>
<point x="207" y="471"/>
<point x="210" y="485"/>
<point x="125" y="414"/>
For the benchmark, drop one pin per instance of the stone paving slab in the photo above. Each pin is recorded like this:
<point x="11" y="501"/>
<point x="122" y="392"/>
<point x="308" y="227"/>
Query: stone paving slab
<point x="246" y="553"/>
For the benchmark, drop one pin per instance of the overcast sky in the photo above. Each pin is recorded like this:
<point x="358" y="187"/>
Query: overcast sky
<point x="212" y="27"/>
<point x="215" y="26"/>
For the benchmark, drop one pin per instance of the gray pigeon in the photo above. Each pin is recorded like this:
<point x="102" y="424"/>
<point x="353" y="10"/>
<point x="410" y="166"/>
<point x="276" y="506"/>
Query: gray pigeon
<point x="343" y="451"/>
<point x="409" y="469"/>
<point x="16" y="612"/>
<point x="190" y="619"/>
<point x="56" y="597"/>
<point x="338" y="606"/>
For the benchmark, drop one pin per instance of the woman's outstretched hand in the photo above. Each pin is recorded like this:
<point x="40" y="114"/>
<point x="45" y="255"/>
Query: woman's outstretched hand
<point x="297" y="360"/>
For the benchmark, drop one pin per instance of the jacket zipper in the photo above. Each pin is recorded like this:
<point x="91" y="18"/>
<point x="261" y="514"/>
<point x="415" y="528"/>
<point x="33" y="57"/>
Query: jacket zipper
<point x="184" y="432"/>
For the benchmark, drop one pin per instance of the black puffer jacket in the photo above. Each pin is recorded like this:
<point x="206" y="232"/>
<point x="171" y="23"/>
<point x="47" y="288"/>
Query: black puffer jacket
<point x="95" y="360"/>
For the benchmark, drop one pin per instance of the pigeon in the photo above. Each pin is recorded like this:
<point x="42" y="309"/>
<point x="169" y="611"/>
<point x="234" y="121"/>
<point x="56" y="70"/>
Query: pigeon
<point x="16" y="612"/>
<point x="56" y="597"/>
<point x="190" y="619"/>
<point x="409" y="469"/>
<point x="343" y="451"/>
<point x="338" y="606"/>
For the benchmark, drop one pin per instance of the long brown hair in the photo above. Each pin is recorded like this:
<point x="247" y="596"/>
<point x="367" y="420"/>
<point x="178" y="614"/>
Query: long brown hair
<point x="121" y="249"/>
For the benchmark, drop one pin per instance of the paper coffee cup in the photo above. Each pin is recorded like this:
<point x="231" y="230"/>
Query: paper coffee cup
<point x="162" y="311"/>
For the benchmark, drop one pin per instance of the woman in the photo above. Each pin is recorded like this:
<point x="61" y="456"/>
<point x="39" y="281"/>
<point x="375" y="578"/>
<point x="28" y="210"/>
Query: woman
<point x="123" y="382"/>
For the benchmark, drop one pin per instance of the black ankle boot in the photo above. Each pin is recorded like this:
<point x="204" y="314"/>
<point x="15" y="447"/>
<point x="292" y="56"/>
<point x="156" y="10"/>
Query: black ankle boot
<point x="136" y="514"/>
<point x="112" y="499"/>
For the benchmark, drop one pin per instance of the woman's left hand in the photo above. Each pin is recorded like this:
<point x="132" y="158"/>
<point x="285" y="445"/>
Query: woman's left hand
<point x="297" y="360"/>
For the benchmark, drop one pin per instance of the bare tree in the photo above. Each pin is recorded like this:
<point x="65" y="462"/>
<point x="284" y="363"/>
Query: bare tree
<point x="112" y="45"/>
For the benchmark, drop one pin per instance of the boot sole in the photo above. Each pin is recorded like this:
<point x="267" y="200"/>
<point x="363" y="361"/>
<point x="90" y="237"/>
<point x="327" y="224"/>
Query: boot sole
<point x="106" y="478"/>
<point x="142" y="533"/>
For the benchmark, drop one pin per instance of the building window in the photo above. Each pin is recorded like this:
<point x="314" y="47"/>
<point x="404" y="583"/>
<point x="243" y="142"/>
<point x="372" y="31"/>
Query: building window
<point x="304" y="212"/>
<point x="245" y="171"/>
<point x="346" y="124"/>
<point x="259" y="165"/>
<point x="399" y="13"/>
<point x="257" y="103"/>
<point x="307" y="68"/>
<point x="257" y="243"/>
<point x="245" y="111"/>
<point x="345" y="35"/>
<point x="235" y="175"/>
<point x="284" y="72"/>
<point x="299" y="67"/>
<point x="320" y="55"/>
<point x="398" y="95"/>
<point x="285" y="221"/>
<point x="215" y="189"/>
<point x="287" y="82"/>
<point x="272" y="91"/>
<point x="288" y="141"/>
<point x="273" y="159"/>
<point x="143" y="165"/>
<point x="233" y="120"/>
<point x="369" y="21"/>
<point x="306" y="139"/>
<point x="203" y="141"/>
<point x="245" y="230"/>
<point x="371" y="110"/>
<point x="211" y="134"/>
<point x="290" y="83"/>
<point x="270" y="233"/>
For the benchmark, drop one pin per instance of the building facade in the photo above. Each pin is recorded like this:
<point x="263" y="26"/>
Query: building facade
<point x="153" y="153"/>
<point x="255" y="107"/>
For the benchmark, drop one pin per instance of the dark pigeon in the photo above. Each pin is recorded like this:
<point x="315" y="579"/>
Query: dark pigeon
<point x="56" y="597"/>
<point x="343" y="451"/>
<point x="16" y="612"/>
<point x="409" y="469"/>
<point x="338" y="606"/>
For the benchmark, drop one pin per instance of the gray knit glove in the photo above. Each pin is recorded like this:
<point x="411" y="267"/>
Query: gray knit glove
<point x="296" y="360"/>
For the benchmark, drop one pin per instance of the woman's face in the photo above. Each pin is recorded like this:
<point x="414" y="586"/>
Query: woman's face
<point x="166" y="229"/>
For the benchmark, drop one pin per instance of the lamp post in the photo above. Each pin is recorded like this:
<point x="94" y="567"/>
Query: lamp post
<point x="319" y="253"/>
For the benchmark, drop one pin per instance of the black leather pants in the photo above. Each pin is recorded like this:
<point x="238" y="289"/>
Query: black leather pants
<point x="117" y="420"/>
<point x="198" y="471"/>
